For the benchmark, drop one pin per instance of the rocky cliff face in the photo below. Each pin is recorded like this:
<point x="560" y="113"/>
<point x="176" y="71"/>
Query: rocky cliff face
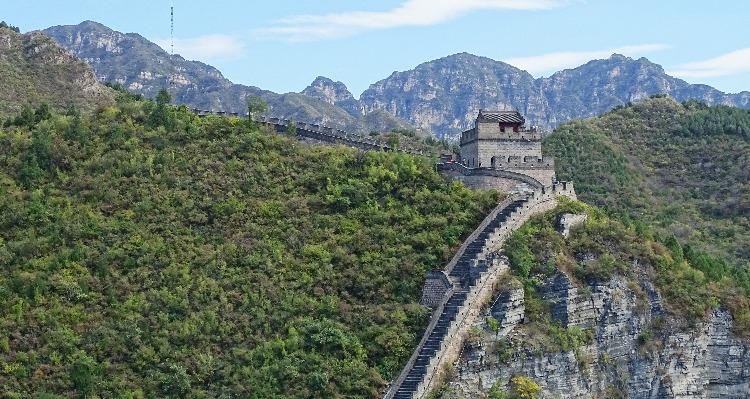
<point x="636" y="351"/>
<point x="334" y="93"/>
<point x="600" y="85"/>
<point x="445" y="95"/>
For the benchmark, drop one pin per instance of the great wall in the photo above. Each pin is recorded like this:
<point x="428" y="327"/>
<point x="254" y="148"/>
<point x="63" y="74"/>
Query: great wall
<point x="317" y="132"/>
<point x="513" y="163"/>
<point x="498" y="153"/>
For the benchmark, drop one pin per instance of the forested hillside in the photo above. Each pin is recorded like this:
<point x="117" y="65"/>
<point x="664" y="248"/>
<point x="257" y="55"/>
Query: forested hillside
<point x="146" y="252"/>
<point x="682" y="167"/>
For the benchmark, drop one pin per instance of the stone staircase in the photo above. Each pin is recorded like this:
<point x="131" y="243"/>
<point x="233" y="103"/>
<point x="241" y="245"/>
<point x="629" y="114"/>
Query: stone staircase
<point x="474" y="260"/>
<point x="432" y="345"/>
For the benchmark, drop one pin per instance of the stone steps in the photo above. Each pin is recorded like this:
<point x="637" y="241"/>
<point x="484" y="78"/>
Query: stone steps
<point x="470" y="266"/>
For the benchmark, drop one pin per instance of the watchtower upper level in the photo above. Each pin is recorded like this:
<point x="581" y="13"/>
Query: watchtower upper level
<point x="500" y="125"/>
<point x="499" y="137"/>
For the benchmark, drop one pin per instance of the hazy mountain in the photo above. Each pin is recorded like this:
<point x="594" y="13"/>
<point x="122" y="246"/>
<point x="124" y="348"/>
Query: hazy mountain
<point x="441" y="96"/>
<point x="34" y="69"/>
<point x="444" y="95"/>
<point x="144" y="67"/>
<point x="335" y="93"/>
<point x="600" y="85"/>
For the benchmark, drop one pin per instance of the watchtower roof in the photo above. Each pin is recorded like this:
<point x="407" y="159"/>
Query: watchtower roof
<point x="501" y="116"/>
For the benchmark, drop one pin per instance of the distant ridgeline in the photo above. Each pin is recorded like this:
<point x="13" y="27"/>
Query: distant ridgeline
<point x="500" y="153"/>
<point x="322" y="133"/>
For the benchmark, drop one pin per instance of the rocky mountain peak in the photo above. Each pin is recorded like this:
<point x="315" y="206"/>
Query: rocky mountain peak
<point x="444" y="95"/>
<point x="441" y="96"/>
<point x="335" y="93"/>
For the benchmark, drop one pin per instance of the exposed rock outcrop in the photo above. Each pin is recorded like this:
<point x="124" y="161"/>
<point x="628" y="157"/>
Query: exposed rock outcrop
<point x="637" y="351"/>
<point x="334" y="93"/>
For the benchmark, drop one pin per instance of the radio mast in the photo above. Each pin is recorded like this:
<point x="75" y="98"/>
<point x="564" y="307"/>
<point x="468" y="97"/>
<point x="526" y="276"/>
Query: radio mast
<point x="170" y="79"/>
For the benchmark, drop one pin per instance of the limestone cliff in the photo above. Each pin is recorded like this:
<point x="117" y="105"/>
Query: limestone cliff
<point x="632" y="343"/>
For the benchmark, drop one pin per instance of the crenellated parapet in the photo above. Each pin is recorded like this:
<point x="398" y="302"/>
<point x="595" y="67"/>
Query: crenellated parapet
<point x="498" y="136"/>
<point x="495" y="132"/>
<point x="522" y="162"/>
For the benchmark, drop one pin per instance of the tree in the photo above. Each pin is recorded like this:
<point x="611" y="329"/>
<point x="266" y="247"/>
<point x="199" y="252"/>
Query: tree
<point x="86" y="371"/>
<point x="291" y="127"/>
<point x="256" y="106"/>
<point x="161" y="115"/>
<point x="3" y="24"/>
<point x="525" y="387"/>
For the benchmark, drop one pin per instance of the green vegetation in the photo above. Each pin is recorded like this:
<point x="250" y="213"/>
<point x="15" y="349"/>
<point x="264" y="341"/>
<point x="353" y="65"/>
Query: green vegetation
<point x="35" y="71"/>
<point x="256" y="106"/>
<point x="691" y="282"/>
<point x="521" y="387"/>
<point x="682" y="168"/>
<point x="5" y="25"/>
<point x="146" y="252"/>
<point x="411" y="139"/>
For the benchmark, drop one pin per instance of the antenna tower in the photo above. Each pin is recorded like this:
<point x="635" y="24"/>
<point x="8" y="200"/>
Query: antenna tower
<point x="170" y="79"/>
<point x="171" y="23"/>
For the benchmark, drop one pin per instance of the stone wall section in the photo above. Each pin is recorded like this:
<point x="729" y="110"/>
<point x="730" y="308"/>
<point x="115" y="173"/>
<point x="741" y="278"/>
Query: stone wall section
<point x="478" y="294"/>
<point x="567" y="221"/>
<point x="436" y="286"/>
<point x="512" y="181"/>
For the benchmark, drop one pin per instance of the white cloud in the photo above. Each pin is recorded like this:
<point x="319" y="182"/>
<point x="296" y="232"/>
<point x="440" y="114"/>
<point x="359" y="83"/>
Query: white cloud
<point x="724" y="65"/>
<point x="553" y="62"/>
<point x="205" y="48"/>
<point x="410" y="13"/>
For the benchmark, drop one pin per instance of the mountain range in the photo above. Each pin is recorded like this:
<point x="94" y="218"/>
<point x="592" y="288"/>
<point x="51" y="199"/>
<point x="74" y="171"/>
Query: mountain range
<point x="144" y="68"/>
<point x="441" y="96"/>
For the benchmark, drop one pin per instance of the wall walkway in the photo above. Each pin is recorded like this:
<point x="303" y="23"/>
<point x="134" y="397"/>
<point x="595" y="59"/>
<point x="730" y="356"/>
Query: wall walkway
<point x="473" y="271"/>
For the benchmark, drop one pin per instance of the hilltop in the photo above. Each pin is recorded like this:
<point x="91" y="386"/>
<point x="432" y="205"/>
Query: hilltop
<point x="147" y="252"/>
<point x="681" y="167"/>
<point x="35" y="70"/>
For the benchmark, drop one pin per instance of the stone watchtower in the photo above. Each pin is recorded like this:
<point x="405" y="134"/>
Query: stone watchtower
<point x="500" y="140"/>
<point x="497" y="138"/>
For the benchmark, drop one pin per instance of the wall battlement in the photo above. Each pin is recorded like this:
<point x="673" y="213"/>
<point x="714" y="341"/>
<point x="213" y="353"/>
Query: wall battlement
<point x="522" y="162"/>
<point x="500" y="141"/>
<point x="500" y="134"/>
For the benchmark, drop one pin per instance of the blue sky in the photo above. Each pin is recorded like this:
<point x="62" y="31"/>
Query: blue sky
<point x="282" y="45"/>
